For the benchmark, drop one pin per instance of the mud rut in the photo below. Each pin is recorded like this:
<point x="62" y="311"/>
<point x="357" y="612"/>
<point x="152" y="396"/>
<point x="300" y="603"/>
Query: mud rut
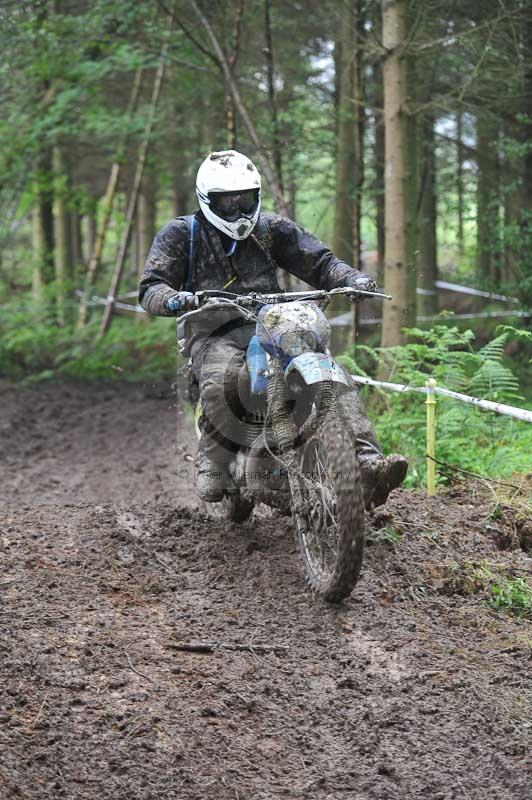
<point x="411" y="689"/>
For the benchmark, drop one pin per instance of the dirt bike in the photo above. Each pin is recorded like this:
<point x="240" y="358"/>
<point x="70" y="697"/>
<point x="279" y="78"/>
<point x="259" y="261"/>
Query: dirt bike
<point x="294" y="452"/>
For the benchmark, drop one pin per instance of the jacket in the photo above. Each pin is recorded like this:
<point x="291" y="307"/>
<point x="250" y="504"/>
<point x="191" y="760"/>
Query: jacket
<point x="276" y="242"/>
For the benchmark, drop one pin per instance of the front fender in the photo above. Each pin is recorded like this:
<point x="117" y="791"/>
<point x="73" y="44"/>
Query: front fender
<point x="316" y="368"/>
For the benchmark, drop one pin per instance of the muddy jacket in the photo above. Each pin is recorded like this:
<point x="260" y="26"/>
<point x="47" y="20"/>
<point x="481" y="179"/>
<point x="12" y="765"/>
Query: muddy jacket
<point x="275" y="242"/>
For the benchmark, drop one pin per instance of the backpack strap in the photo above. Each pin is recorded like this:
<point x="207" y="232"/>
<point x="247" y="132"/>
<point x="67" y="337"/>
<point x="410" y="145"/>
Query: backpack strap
<point x="192" y="241"/>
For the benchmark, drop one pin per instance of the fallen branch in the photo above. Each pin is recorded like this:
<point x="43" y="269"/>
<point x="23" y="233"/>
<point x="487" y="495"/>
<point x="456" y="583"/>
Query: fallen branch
<point x="453" y="468"/>
<point x="39" y="713"/>
<point x="136" y="671"/>
<point x="212" y="647"/>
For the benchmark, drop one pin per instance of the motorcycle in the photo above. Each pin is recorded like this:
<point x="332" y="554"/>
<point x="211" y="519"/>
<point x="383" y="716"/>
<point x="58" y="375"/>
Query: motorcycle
<point x="294" y="453"/>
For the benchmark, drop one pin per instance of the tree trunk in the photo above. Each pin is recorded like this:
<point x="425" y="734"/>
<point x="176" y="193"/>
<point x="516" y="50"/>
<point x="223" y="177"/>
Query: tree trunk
<point x="39" y="255"/>
<point x="179" y="199"/>
<point x="43" y="225"/>
<point x="487" y="202"/>
<point x="399" y="272"/>
<point x="179" y="166"/>
<point x="347" y="142"/>
<point x="90" y="230"/>
<point x="107" y="207"/>
<point x="358" y="96"/>
<point x="230" y="118"/>
<point x="412" y="182"/>
<point x="134" y="247"/>
<point x="525" y="246"/>
<point x="512" y="209"/>
<point x="460" y="183"/>
<point x="62" y="232"/>
<point x="230" y="125"/>
<point x="272" y="95"/>
<point x="513" y="201"/>
<point x="379" y="174"/>
<point x="76" y="239"/>
<point x="146" y="214"/>
<point x="132" y="203"/>
<point x="427" y="258"/>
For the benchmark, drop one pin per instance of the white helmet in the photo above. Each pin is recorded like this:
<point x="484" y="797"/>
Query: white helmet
<point x="228" y="189"/>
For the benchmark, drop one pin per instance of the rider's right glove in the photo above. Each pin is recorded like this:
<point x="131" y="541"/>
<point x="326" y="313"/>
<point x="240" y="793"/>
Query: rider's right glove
<point x="182" y="301"/>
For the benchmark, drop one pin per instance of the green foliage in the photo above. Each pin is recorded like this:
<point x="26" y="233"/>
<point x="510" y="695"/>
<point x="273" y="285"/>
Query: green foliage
<point x="388" y="536"/>
<point x="478" y="441"/>
<point x="33" y="347"/>
<point x="504" y="592"/>
<point x="513" y="595"/>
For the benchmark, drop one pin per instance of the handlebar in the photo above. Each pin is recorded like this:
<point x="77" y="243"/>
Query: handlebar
<point x="255" y="298"/>
<point x="246" y="304"/>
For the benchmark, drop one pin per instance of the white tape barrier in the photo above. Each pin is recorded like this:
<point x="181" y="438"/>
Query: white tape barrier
<point x="488" y="405"/>
<point x="92" y="302"/>
<point x="105" y="301"/>
<point x="451" y="287"/>
<point x="346" y="319"/>
<point x="117" y="304"/>
<point x="457" y="287"/>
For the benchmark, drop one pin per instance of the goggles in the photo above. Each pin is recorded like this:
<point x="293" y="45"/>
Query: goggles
<point x="233" y="205"/>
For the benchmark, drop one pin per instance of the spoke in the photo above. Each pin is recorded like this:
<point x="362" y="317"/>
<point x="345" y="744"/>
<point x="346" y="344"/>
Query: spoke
<point x="318" y="489"/>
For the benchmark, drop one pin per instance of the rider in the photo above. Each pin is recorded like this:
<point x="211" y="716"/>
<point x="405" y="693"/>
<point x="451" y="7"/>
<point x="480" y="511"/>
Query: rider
<point x="233" y="246"/>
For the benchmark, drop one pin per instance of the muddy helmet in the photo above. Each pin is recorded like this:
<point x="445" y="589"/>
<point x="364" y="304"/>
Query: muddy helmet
<point x="228" y="189"/>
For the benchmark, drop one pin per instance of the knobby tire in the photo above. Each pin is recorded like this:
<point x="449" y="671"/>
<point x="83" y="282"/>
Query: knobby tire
<point x="328" y="510"/>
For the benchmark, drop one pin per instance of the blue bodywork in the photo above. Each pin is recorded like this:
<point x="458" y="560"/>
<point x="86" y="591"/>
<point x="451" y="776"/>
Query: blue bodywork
<point x="257" y="364"/>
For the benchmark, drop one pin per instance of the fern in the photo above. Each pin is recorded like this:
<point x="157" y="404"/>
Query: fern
<point x="494" y="350"/>
<point x="494" y="381"/>
<point x="474" y="440"/>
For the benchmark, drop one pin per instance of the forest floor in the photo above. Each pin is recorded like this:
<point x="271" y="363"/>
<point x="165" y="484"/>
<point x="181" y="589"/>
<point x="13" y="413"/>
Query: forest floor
<point x="413" y="688"/>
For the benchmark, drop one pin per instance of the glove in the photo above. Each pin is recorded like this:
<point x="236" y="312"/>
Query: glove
<point x="182" y="301"/>
<point x="362" y="282"/>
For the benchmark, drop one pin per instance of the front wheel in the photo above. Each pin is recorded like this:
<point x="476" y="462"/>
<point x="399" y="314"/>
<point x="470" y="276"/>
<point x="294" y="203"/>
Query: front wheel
<point x="328" y="509"/>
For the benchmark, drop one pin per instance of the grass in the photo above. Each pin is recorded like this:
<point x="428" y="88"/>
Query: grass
<point x="513" y="595"/>
<point x="503" y="592"/>
<point x="388" y="536"/>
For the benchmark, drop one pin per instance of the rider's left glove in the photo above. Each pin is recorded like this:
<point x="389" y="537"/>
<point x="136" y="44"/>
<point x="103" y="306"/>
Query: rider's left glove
<point x="362" y="282"/>
<point x="182" y="301"/>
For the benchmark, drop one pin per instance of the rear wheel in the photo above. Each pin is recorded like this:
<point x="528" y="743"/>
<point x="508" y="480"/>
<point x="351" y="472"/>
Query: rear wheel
<point x="328" y="509"/>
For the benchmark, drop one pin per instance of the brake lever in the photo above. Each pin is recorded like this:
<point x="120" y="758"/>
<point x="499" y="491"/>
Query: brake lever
<point x="352" y="291"/>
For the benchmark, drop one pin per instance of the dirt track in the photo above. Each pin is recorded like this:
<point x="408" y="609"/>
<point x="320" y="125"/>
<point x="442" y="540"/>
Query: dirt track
<point x="414" y="688"/>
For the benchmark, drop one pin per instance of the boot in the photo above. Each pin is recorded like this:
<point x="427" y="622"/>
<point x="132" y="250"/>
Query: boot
<point x="211" y="479"/>
<point x="381" y="474"/>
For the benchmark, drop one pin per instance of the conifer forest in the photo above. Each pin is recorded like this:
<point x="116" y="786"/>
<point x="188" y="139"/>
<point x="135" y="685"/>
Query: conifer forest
<point x="150" y="648"/>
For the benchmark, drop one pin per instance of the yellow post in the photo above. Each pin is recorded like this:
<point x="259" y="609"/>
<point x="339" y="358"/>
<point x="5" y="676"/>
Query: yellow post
<point x="431" y="436"/>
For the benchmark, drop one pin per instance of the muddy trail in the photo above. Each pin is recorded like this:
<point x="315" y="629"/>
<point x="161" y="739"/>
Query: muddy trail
<point x="147" y="652"/>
